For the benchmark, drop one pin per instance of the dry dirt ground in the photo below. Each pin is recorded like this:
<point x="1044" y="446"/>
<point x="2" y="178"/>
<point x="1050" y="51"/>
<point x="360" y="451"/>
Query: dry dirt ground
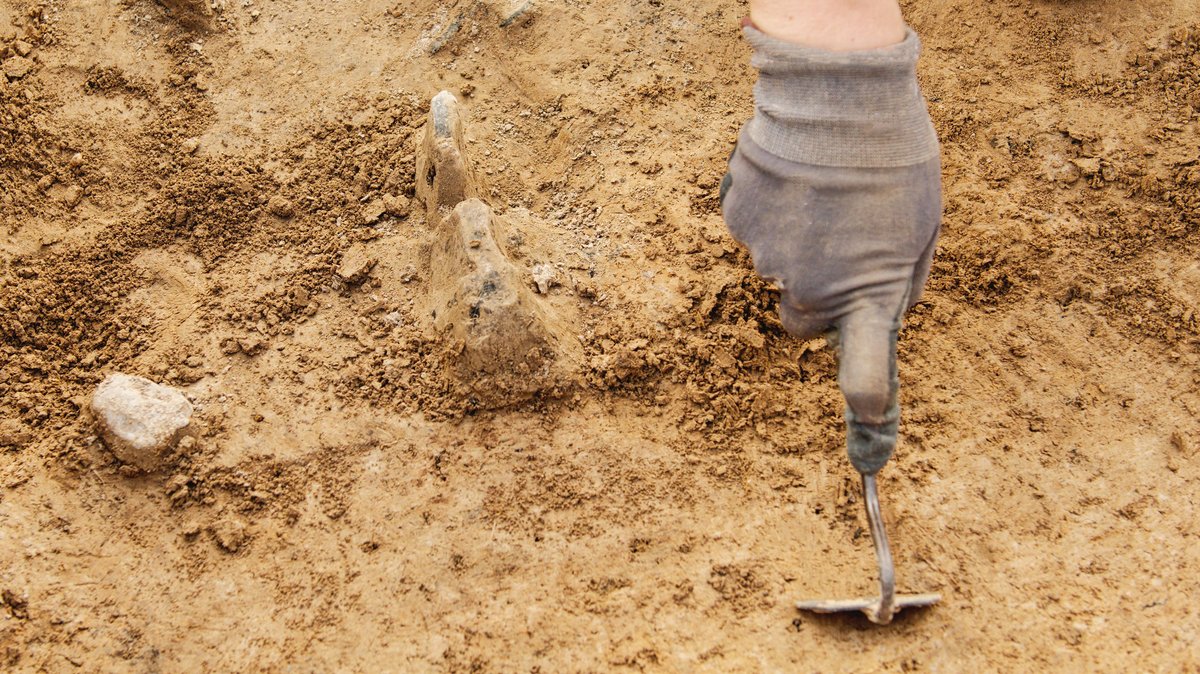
<point x="180" y="186"/>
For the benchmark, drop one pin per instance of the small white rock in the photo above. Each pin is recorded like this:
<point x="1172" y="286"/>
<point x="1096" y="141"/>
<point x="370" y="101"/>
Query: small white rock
<point x="139" y="419"/>
<point x="543" y="277"/>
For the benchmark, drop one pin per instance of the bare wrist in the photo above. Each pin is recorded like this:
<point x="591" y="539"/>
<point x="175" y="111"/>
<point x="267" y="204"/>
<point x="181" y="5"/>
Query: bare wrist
<point x="833" y="25"/>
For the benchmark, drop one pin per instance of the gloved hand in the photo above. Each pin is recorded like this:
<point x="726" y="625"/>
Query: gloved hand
<point x="835" y="188"/>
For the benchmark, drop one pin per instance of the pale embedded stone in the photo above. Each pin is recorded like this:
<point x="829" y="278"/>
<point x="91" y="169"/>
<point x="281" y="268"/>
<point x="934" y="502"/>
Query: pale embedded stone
<point x="139" y="419"/>
<point x="544" y="276"/>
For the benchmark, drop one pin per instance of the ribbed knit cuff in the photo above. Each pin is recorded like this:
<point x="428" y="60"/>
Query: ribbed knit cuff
<point x="856" y="108"/>
<point x="871" y="445"/>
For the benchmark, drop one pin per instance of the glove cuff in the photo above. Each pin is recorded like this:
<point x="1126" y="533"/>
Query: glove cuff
<point x="871" y="445"/>
<point x="856" y="109"/>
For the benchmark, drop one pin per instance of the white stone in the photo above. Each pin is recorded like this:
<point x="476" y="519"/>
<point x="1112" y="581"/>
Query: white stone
<point x="544" y="277"/>
<point x="139" y="419"/>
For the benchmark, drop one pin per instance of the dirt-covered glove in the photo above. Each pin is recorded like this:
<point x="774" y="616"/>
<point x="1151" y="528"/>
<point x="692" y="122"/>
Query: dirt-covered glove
<point x="835" y="187"/>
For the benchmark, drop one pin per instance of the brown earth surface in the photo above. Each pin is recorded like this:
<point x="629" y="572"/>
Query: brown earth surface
<point x="193" y="192"/>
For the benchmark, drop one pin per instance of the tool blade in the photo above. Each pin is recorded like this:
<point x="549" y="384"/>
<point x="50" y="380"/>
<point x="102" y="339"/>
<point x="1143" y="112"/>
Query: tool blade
<point x="867" y="605"/>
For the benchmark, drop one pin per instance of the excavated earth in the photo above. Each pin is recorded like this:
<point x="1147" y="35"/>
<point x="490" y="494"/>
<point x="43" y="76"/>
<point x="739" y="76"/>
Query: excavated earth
<point x="223" y="197"/>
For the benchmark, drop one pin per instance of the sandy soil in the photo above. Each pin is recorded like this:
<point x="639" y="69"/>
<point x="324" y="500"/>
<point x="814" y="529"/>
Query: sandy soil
<point x="346" y="504"/>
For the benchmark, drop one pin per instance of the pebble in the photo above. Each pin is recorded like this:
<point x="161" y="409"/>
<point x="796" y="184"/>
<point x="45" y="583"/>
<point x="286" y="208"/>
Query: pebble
<point x="190" y="145"/>
<point x="139" y="419"/>
<point x="22" y="47"/>
<point x="544" y="277"/>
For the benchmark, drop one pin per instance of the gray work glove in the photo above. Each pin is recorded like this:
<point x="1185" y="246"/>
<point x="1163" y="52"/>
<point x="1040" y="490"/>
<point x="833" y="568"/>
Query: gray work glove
<point x="835" y="187"/>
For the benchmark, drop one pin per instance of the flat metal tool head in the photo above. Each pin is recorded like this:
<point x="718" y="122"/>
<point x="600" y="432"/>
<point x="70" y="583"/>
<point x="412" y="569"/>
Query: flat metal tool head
<point x="878" y="610"/>
<point x="869" y="606"/>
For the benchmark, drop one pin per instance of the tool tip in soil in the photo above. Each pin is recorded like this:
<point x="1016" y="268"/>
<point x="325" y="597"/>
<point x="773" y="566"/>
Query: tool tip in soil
<point x="869" y="606"/>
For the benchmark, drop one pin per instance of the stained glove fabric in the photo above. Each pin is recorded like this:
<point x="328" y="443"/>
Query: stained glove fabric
<point x="835" y="188"/>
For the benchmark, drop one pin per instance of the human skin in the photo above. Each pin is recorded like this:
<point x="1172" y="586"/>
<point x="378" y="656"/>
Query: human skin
<point x="834" y="25"/>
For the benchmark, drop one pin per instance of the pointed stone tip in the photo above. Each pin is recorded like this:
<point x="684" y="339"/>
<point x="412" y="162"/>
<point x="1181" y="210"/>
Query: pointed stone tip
<point x="443" y="110"/>
<point x="443" y="176"/>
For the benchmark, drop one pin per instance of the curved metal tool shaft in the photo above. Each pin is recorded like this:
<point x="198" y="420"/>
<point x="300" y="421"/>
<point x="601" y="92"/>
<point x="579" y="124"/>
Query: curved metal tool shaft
<point x="883" y="612"/>
<point x="878" y="610"/>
